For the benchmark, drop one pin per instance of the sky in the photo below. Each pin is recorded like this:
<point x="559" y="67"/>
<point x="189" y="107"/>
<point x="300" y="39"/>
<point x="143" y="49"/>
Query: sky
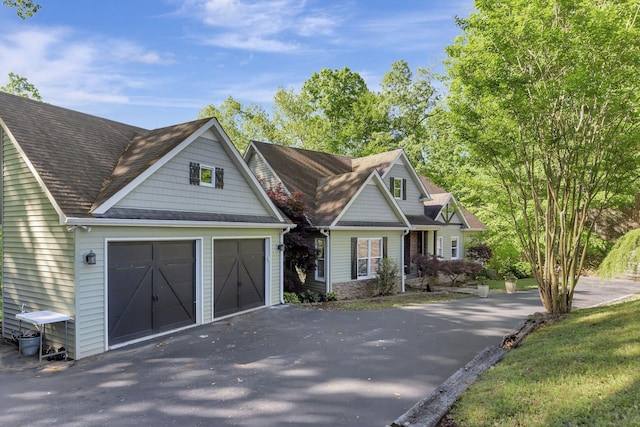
<point x="155" y="63"/>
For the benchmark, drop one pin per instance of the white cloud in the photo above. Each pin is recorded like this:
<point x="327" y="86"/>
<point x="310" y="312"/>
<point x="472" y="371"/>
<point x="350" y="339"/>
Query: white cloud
<point x="266" y="26"/>
<point x="70" y="69"/>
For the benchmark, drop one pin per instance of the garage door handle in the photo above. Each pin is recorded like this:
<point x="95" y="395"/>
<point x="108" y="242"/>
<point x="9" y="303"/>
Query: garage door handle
<point x="155" y="298"/>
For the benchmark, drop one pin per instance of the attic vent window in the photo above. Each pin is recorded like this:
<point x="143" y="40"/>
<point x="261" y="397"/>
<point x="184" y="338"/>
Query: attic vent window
<point x="207" y="176"/>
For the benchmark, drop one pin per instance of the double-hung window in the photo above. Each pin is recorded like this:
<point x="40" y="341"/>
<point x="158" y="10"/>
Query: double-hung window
<point x="320" y="260"/>
<point x="440" y="248"/>
<point x="369" y="257"/>
<point x="454" y="247"/>
<point x="399" y="188"/>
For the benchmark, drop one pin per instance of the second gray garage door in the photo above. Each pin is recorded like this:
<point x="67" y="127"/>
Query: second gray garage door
<point x="239" y="275"/>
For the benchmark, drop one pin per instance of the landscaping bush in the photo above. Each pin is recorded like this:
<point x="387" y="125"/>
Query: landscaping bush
<point x="331" y="296"/>
<point x="429" y="267"/>
<point x="385" y="280"/>
<point x="291" y="298"/>
<point x="521" y="270"/>
<point x="309" y="296"/>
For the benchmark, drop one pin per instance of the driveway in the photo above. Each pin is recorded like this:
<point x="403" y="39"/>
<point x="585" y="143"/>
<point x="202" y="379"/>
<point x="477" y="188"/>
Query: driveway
<point x="275" y="366"/>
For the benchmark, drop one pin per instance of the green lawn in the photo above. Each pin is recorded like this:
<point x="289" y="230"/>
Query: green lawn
<point x="581" y="371"/>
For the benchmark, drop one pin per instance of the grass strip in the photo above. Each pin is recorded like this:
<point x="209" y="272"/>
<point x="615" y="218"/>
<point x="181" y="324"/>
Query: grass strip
<point x="581" y="371"/>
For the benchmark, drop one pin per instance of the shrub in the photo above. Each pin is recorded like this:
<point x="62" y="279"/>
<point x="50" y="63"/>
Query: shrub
<point x="429" y="267"/>
<point x="309" y="296"/>
<point x="385" y="280"/>
<point x="291" y="298"/>
<point x="457" y="268"/>
<point x="331" y="296"/>
<point x="521" y="270"/>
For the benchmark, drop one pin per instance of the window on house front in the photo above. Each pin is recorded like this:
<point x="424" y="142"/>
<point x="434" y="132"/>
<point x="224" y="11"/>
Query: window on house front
<point x="399" y="188"/>
<point x="320" y="260"/>
<point x="440" y="248"/>
<point x="207" y="176"/>
<point x="369" y="256"/>
<point x="454" y="247"/>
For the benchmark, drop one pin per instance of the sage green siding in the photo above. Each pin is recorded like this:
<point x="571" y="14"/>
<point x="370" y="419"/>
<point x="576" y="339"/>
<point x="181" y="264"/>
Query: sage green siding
<point x="262" y="171"/>
<point x="38" y="261"/>
<point x="371" y="205"/>
<point x="447" y="232"/>
<point x="169" y="189"/>
<point x="341" y="250"/>
<point x="412" y="205"/>
<point x="91" y="297"/>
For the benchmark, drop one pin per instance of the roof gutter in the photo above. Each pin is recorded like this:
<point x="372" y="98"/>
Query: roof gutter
<point x="165" y="223"/>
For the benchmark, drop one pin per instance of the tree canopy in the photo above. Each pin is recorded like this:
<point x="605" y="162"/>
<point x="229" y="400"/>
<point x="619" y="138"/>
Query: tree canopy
<point x="24" y="8"/>
<point x="545" y="95"/>
<point x="336" y="112"/>
<point x="20" y="86"/>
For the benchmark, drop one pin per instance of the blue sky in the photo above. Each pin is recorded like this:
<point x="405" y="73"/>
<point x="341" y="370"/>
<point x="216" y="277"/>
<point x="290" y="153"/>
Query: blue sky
<point x="154" y="63"/>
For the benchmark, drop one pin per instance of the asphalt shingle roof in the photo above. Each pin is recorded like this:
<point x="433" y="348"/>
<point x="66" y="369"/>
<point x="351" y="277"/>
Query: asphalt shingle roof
<point x="83" y="159"/>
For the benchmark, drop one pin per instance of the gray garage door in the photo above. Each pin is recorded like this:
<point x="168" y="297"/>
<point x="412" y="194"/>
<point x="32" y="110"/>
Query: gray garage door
<point x="239" y="275"/>
<point x="151" y="288"/>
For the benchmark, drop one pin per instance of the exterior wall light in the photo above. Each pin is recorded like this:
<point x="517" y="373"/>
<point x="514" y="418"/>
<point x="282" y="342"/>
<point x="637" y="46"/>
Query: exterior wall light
<point x="90" y="258"/>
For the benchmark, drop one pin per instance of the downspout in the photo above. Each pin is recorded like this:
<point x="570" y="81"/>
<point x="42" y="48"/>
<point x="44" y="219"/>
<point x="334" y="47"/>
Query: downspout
<point x="281" y="245"/>
<point x="404" y="235"/>
<point x="327" y="261"/>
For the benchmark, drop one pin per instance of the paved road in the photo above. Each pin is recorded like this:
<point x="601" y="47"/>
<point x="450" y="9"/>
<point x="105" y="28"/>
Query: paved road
<point x="277" y="366"/>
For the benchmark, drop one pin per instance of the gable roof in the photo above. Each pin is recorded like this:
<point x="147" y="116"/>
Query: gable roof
<point x="440" y="198"/>
<point x="328" y="182"/>
<point x="84" y="162"/>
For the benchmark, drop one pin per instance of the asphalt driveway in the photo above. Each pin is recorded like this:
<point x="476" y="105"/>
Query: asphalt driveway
<point x="276" y="366"/>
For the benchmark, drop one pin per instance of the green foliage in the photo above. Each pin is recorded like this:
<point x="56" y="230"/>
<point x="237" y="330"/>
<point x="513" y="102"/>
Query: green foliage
<point x="624" y="256"/>
<point x="24" y="8"/>
<point x="308" y="296"/>
<point x="331" y="296"/>
<point x="590" y="356"/>
<point x="387" y="277"/>
<point x="291" y="298"/>
<point x="543" y="96"/>
<point x="20" y="86"/>
<point x="519" y="270"/>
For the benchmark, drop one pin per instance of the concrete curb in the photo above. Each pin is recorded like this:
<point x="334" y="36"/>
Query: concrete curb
<point x="429" y="411"/>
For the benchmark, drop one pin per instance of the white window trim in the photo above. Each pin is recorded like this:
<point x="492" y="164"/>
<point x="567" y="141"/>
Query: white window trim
<point x="370" y="273"/>
<point x="213" y="176"/>
<point x="324" y="259"/>
<point x="393" y="190"/>
<point x="440" y="248"/>
<point x="456" y="247"/>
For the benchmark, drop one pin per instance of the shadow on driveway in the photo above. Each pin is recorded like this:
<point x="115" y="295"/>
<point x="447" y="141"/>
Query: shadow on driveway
<point x="274" y="366"/>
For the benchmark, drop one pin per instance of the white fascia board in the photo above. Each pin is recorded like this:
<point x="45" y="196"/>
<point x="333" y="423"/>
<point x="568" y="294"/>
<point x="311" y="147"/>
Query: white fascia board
<point x="412" y="172"/>
<point x="459" y="209"/>
<point x="254" y="149"/>
<point x="375" y="176"/>
<point x="109" y="203"/>
<point x="169" y="223"/>
<point x="62" y="217"/>
<point x="244" y="168"/>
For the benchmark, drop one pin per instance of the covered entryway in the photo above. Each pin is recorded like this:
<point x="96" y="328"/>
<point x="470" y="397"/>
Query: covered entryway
<point x="151" y="288"/>
<point x="239" y="275"/>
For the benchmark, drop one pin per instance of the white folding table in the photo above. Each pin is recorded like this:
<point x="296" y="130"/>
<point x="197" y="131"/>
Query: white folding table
<point x="40" y="319"/>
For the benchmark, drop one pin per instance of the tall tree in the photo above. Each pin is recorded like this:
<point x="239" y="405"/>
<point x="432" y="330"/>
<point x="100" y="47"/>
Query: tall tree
<point x="242" y="124"/>
<point x="20" y="86"/>
<point x="546" y="94"/>
<point x="24" y="8"/>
